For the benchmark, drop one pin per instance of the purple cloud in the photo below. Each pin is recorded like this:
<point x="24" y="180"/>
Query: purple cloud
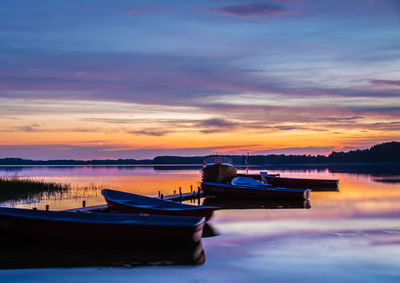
<point x="216" y="125"/>
<point x="297" y="150"/>
<point x="340" y="119"/>
<point x="153" y="133"/>
<point x="144" y="10"/>
<point x="385" y="82"/>
<point x="95" y="151"/>
<point x="265" y="9"/>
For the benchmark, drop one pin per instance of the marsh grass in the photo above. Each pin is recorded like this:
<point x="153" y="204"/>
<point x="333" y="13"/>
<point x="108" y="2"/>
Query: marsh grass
<point x="15" y="188"/>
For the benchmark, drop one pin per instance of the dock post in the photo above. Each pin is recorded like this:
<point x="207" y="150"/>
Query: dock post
<point x="174" y="192"/>
<point x="159" y="193"/>
<point x="198" y="195"/>
<point x="162" y="196"/>
<point x="191" y="188"/>
<point x="47" y="207"/>
<point x="180" y="194"/>
<point x="84" y="203"/>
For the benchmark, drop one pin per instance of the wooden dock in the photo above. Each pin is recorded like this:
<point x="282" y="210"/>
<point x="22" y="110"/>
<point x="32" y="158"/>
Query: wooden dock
<point x="193" y="195"/>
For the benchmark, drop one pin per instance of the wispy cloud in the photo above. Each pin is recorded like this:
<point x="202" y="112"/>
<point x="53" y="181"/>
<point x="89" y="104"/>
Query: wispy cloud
<point x="251" y="10"/>
<point x="150" y="132"/>
<point x="381" y="126"/>
<point x="386" y="82"/>
<point x="144" y="10"/>
<point x="298" y="150"/>
<point x="216" y="126"/>
<point x="171" y="74"/>
<point x="340" y="119"/>
<point x="28" y="128"/>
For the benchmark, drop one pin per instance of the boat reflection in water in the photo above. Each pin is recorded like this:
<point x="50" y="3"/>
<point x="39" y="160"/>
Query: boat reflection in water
<point x="209" y="231"/>
<point x="62" y="256"/>
<point x="256" y="204"/>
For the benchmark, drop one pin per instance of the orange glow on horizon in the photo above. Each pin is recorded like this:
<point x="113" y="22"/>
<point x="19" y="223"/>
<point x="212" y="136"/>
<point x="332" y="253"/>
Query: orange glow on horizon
<point x="161" y="127"/>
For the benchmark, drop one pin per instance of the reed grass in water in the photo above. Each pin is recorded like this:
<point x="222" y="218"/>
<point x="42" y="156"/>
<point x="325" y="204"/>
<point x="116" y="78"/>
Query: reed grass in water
<point x="14" y="188"/>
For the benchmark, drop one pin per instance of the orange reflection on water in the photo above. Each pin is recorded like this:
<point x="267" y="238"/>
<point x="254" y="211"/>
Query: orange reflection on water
<point x="87" y="183"/>
<point x="358" y="194"/>
<point x="352" y="232"/>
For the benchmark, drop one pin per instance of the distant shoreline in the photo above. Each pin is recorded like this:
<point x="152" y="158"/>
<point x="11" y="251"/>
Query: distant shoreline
<point x="377" y="154"/>
<point x="200" y="165"/>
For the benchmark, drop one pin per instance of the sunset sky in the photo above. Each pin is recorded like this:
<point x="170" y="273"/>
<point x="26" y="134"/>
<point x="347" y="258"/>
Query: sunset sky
<point x="136" y="79"/>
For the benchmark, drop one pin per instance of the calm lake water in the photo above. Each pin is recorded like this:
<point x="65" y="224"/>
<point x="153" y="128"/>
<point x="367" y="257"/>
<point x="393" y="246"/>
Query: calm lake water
<point x="350" y="235"/>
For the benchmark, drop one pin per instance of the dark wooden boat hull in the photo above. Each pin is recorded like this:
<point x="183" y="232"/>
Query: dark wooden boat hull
<point x="118" y="208"/>
<point x="301" y="183"/>
<point x="229" y="191"/>
<point x="218" y="172"/>
<point x="23" y="225"/>
<point x="154" y="207"/>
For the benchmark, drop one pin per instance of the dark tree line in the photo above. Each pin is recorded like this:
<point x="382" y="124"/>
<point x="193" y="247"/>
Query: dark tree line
<point x="385" y="152"/>
<point x="20" y="161"/>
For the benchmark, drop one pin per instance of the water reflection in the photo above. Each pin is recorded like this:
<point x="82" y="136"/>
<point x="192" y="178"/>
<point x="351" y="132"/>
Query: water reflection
<point x="176" y="167"/>
<point x="73" y="193"/>
<point x="209" y="231"/>
<point x="46" y="256"/>
<point x="375" y="169"/>
<point x="389" y="180"/>
<point x="358" y="191"/>
<point x="351" y="235"/>
<point x="255" y="204"/>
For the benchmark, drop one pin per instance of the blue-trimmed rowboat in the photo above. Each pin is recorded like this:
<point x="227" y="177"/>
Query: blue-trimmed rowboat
<point x="248" y="188"/>
<point x="274" y="180"/>
<point x="121" y="202"/>
<point x="287" y="182"/>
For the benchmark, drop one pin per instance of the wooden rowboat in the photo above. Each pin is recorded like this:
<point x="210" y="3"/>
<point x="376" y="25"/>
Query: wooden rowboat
<point x="121" y="202"/>
<point x="278" y="181"/>
<point x="265" y="192"/>
<point x="25" y="225"/>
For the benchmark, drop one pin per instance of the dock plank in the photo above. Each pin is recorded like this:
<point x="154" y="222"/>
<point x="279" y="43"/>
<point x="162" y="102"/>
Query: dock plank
<point x="88" y="208"/>
<point x="102" y="207"/>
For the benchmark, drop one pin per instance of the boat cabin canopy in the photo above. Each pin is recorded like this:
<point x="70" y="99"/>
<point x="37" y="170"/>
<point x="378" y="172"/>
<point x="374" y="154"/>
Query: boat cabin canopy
<point x="218" y="159"/>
